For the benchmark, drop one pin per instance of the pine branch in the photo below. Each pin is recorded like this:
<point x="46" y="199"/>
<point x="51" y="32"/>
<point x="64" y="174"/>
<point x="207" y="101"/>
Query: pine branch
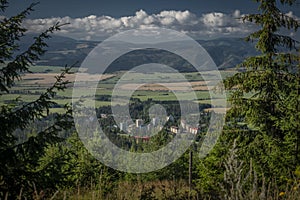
<point x="11" y="31"/>
<point x="36" y="144"/>
<point x="3" y="5"/>
<point x="35" y="109"/>
<point x="22" y="62"/>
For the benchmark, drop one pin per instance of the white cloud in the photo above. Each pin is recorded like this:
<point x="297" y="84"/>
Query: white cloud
<point x="215" y="19"/>
<point x="237" y="14"/>
<point x="209" y="25"/>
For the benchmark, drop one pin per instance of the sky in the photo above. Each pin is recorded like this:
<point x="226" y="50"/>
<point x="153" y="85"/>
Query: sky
<point x="99" y="19"/>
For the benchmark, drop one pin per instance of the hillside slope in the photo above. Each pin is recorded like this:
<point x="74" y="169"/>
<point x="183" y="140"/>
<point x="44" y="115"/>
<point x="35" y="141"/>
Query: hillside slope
<point x="226" y="53"/>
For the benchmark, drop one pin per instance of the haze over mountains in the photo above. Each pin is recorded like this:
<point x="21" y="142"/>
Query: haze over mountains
<point x="226" y="53"/>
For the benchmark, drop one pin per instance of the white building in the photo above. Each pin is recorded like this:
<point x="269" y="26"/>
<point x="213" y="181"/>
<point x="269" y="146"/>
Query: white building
<point x="131" y="127"/>
<point x="174" y="129"/>
<point x="183" y="124"/>
<point x="194" y="130"/>
<point x="123" y="126"/>
<point x="155" y="121"/>
<point x="139" y="122"/>
<point x="170" y="118"/>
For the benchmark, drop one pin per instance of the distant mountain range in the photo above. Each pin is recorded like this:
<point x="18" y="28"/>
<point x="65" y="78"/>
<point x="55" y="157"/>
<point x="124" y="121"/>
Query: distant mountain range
<point x="226" y="53"/>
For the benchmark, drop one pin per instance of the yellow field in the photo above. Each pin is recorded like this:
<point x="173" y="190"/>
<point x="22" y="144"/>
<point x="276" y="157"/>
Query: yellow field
<point x="177" y="86"/>
<point x="49" y="78"/>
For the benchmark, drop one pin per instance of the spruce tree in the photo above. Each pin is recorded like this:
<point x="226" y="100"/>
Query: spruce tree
<point x="264" y="97"/>
<point x="19" y="159"/>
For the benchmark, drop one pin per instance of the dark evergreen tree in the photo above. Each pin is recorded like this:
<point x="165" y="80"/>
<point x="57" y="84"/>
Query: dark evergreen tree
<point x="265" y="94"/>
<point x="18" y="160"/>
<point x="264" y="114"/>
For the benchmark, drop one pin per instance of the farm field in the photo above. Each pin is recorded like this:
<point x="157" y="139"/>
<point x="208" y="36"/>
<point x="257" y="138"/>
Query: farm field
<point x="32" y="85"/>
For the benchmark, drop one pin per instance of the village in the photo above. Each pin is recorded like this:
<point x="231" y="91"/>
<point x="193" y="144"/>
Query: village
<point x="142" y="131"/>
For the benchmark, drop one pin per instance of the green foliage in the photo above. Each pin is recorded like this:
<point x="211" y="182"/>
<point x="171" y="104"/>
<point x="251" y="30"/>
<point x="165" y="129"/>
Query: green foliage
<point x="210" y="169"/>
<point x="271" y="113"/>
<point x="20" y="168"/>
<point x="264" y="115"/>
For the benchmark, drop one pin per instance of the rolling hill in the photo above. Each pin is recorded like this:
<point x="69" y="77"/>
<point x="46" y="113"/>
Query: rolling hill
<point x="226" y="53"/>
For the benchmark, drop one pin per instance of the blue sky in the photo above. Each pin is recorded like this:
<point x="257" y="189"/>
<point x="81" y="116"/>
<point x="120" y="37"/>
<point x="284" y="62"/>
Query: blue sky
<point x="98" y="19"/>
<point x="119" y="8"/>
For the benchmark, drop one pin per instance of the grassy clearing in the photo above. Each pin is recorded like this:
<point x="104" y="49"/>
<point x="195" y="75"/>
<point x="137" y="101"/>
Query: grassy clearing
<point x="47" y="69"/>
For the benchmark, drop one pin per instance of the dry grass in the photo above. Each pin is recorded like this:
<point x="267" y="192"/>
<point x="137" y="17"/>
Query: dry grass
<point x="240" y="185"/>
<point x="178" y="189"/>
<point x="176" y="86"/>
<point x="217" y="110"/>
<point x="132" y="191"/>
<point x="49" y="78"/>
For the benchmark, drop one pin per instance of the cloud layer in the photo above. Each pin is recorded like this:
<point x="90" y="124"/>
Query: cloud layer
<point x="209" y="25"/>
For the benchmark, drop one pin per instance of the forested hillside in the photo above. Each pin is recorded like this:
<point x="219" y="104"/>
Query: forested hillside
<point x="226" y="53"/>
